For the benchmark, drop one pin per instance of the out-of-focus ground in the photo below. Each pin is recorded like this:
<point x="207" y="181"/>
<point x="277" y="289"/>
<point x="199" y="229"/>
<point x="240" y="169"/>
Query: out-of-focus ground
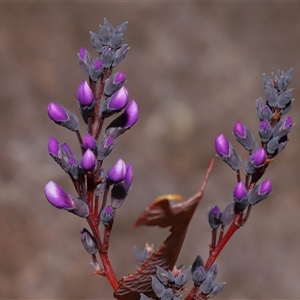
<point x="194" y="69"/>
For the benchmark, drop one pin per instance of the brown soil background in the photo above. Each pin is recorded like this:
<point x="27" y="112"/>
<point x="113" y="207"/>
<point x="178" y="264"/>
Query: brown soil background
<point x="194" y="69"/>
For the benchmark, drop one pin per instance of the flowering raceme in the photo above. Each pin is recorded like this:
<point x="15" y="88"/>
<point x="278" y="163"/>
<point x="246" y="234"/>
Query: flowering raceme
<point x="102" y="191"/>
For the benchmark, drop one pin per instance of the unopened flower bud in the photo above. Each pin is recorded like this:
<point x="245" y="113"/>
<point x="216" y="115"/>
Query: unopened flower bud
<point x="117" y="173"/>
<point x="124" y="122"/>
<point x="88" y="142"/>
<point x="271" y="96"/>
<point x="217" y="289"/>
<point x="255" y="160"/>
<point x="88" y="242"/>
<point x="54" y="149"/>
<point x="88" y="161"/>
<point x="199" y="275"/>
<point x="84" y="95"/>
<point x="116" y="40"/>
<point x="62" y="200"/>
<point x="114" y="82"/>
<point x="105" y="147"/>
<point x="283" y="127"/>
<point x="115" y="103"/>
<point x="260" y="192"/>
<point x="243" y="136"/>
<point x="105" y="32"/>
<point x="85" y="60"/>
<point x="107" y="215"/>
<point x="265" y="131"/>
<point x="240" y="196"/>
<point x="95" y="41"/>
<point x="96" y="70"/>
<point x="214" y="216"/>
<point x="227" y="153"/>
<point x="272" y="145"/>
<point x="228" y="214"/>
<point x="107" y="57"/>
<point x="284" y="99"/>
<point x="207" y="285"/>
<point x="62" y="116"/>
<point x="120" y="54"/>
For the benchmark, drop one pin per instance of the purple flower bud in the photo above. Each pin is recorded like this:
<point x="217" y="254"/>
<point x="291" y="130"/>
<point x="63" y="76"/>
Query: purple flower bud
<point x="162" y="275"/>
<point x="227" y="153"/>
<point x="240" y="191"/>
<point x="240" y="197"/>
<point x="115" y="103"/>
<point x="57" y="196"/>
<point x="283" y="127"/>
<point x="222" y="145"/>
<point x="260" y="192"/>
<point x="53" y="148"/>
<point x="117" y="173"/>
<point x="88" y="142"/>
<point x="57" y="113"/>
<point x="119" y="99"/>
<point x="114" y="82"/>
<point x="85" y="60"/>
<point x="214" y="216"/>
<point x="255" y="160"/>
<point x="81" y="53"/>
<point x="62" y="200"/>
<point x="62" y="116"/>
<point x="124" y="122"/>
<point x="181" y="279"/>
<point x="107" y="215"/>
<point x="96" y="70"/>
<point x="88" y="242"/>
<point x="88" y="161"/>
<point x="243" y="136"/>
<point x="104" y="148"/>
<point x="131" y="114"/>
<point x="84" y="95"/>
<point x="258" y="157"/>
<point x="128" y="177"/>
<point x="265" y="131"/>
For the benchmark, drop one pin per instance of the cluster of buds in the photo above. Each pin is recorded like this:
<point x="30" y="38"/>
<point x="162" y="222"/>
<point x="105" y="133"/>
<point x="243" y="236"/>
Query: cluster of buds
<point x="99" y="97"/>
<point x="168" y="284"/>
<point x="273" y="131"/>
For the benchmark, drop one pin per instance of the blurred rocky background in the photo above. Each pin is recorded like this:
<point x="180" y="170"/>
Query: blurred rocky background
<point x="194" y="69"/>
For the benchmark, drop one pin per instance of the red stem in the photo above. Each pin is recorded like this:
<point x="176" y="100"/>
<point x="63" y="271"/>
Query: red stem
<point x="235" y="225"/>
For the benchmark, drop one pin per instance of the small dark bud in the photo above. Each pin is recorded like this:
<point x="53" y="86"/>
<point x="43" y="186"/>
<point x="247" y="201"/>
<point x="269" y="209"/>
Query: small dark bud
<point x="88" y="242"/>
